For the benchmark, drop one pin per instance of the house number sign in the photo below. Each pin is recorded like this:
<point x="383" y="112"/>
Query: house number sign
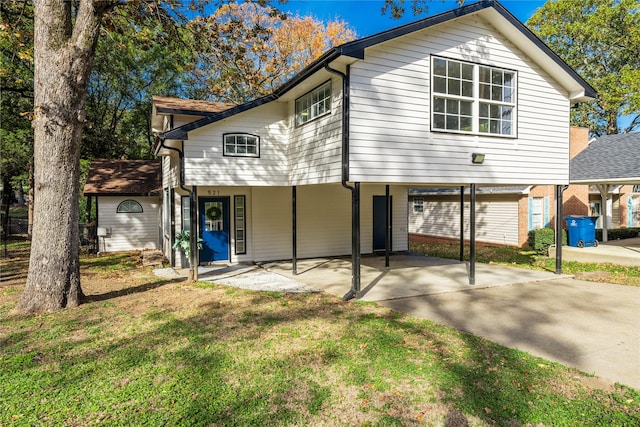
<point x="213" y="192"/>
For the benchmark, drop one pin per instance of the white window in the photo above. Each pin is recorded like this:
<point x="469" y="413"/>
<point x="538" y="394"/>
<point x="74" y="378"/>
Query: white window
<point x="537" y="213"/>
<point x="129" y="206"/>
<point x="418" y="204"/>
<point x="472" y="98"/>
<point x="241" y="145"/>
<point x="595" y="209"/>
<point x="314" y="104"/>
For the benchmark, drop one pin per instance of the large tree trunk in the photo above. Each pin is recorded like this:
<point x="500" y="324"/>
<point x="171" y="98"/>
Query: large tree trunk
<point x="63" y="58"/>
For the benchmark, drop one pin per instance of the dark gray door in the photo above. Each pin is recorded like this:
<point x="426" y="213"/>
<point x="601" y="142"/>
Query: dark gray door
<point x="380" y="222"/>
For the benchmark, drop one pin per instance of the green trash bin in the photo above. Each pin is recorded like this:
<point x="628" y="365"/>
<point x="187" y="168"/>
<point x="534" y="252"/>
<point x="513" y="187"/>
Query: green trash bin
<point x="581" y="231"/>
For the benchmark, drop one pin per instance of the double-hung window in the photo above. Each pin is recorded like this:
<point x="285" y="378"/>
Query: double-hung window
<point x="472" y="98"/>
<point x="314" y="104"/>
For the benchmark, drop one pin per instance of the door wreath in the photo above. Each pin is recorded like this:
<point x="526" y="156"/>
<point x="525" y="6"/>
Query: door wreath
<point x="214" y="213"/>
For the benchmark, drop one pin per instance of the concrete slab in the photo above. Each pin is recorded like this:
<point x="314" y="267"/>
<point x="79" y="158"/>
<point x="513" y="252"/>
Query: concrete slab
<point x="623" y="252"/>
<point x="591" y="326"/>
<point x="407" y="275"/>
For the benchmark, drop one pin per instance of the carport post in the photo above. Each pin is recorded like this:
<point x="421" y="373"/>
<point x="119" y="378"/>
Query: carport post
<point x="472" y="235"/>
<point x="193" y="238"/>
<point x="462" y="223"/>
<point x="559" y="190"/>
<point x="387" y="238"/>
<point x="294" y="220"/>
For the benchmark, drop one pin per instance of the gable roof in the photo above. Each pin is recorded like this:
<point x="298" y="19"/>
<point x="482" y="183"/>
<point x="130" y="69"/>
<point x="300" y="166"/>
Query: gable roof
<point x="610" y="159"/>
<point x="500" y="18"/>
<point x="123" y="177"/>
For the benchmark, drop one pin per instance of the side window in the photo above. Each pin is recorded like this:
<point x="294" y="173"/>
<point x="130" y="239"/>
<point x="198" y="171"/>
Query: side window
<point x="239" y="204"/>
<point x="313" y="104"/>
<point x="129" y="206"/>
<point x="185" y="202"/>
<point x="418" y="205"/>
<point x="241" y="145"/>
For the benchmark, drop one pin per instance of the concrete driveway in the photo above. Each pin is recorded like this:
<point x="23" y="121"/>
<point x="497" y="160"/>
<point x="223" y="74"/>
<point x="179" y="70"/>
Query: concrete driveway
<point x="594" y="327"/>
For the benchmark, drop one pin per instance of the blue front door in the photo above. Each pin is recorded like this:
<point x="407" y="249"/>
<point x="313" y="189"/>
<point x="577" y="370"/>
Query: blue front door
<point x="214" y="229"/>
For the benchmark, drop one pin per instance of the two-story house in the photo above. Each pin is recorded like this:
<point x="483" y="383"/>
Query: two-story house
<point x="323" y="165"/>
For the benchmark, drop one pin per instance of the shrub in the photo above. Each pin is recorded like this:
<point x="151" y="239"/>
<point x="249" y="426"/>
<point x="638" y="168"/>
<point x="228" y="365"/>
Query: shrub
<point x="619" y="233"/>
<point x="541" y="238"/>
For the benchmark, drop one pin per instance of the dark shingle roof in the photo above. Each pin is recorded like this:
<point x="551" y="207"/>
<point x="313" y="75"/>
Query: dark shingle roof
<point x="611" y="158"/>
<point x="165" y="104"/>
<point x="124" y="177"/>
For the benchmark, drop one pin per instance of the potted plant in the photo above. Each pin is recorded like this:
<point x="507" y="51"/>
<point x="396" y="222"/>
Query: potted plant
<point x="183" y="241"/>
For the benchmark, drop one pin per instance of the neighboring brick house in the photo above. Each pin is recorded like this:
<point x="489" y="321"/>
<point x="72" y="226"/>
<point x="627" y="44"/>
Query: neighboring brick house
<point x="610" y="169"/>
<point x="505" y="214"/>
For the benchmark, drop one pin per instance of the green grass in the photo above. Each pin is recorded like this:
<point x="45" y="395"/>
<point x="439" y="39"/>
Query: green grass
<point x="530" y="259"/>
<point x="143" y="351"/>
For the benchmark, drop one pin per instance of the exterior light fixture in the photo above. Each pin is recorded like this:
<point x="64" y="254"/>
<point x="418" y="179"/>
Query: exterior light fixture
<point x="477" y="158"/>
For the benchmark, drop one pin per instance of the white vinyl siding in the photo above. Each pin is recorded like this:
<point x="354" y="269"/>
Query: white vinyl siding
<point x="315" y="149"/>
<point x="324" y="221"/>
<point x="390" y="138"/>
<point x="129" y="231"/>
<point x="496" y="219"/>
<point x="205" y="163"/>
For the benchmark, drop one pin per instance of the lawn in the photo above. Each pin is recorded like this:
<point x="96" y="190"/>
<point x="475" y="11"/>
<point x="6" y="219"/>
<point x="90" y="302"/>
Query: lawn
<point x="143" y="351"/>
<point x="527" y="258"/>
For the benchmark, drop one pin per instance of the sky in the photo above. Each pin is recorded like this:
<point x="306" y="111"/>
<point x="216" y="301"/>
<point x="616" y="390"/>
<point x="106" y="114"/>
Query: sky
<point x="365" y="16"/>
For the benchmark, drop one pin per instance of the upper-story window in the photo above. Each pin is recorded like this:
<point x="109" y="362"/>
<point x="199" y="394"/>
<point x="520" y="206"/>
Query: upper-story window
<point x="129" y="206"/>
<point x="241" y="145"/>
<point x="314" y="104"/>
<point x="472" y="98"/>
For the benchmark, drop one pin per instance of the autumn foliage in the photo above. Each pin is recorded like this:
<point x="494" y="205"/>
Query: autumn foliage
<point x="246" y="50"/>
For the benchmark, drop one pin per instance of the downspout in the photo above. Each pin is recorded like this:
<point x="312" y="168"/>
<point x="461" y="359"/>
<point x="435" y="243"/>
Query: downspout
<point x="354" y="292"/>
<point x="193" y="261"/>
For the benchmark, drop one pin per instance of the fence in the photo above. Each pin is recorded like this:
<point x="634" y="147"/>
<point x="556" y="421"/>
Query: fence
<point x="20" y="227"/>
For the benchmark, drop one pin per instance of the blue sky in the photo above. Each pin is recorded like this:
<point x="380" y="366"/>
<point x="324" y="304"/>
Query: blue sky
<point x="365" y="17"/>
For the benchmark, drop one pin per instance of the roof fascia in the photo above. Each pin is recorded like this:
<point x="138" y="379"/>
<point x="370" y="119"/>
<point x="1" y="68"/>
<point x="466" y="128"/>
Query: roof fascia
<point x="612" y="181"/>
<point x="357" y="48"/>
<point x="164" y="110"/>
<point x="182" y="132"/>
<point x="586" y="91"/>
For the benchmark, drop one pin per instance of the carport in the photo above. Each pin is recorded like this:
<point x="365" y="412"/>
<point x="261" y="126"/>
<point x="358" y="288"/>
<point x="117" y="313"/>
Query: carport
<point x="406" y="276"/>
<point x="607" y="163"/>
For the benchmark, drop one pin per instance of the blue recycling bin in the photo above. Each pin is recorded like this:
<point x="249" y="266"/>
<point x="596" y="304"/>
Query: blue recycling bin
<point x="581" y="230"/>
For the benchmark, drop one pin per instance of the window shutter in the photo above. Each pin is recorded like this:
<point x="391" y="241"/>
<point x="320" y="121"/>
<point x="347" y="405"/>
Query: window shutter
<point x="530" y="214"/>
<point x="547" y="222"/>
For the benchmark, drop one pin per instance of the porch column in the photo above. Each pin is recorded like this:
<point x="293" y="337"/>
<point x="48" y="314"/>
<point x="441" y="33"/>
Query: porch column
<point x="604" y="196"/>
<point x="387" y="238"/>
<point x="294" y="243"/>
<point x="472" y="235"/>
<point x="559" y="191"/>
<point x="193" y="237"/>
<point x="462" y="223"/>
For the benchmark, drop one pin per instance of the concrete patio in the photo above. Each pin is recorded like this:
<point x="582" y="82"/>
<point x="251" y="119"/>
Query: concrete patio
<point x="623" y="252"/>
